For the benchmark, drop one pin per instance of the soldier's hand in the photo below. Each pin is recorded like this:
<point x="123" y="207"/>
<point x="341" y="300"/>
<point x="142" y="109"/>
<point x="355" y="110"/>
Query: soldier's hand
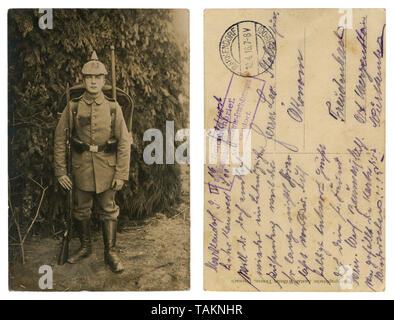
<point x="117" y="184"/>
<point x="65" y="182"/>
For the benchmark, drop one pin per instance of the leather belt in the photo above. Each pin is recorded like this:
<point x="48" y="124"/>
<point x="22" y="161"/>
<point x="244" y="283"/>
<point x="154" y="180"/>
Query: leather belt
<point x="80" y="146"/>
<point x="94" y="148"/>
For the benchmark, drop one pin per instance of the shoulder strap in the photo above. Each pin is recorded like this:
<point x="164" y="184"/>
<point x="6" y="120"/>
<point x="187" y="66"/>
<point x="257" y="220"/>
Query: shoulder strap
<point x="112" y="105"/>
<point x="74" y="111"/>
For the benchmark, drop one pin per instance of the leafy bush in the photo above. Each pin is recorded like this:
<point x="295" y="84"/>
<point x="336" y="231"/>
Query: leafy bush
<point x="151" y="67"/>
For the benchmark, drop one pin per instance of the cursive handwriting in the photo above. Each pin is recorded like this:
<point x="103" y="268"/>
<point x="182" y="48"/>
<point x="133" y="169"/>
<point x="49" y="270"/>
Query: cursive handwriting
<point x="295" y="110"/>
<point x="338" y="111"/>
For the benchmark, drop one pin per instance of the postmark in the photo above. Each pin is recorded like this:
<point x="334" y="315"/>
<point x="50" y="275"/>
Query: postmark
<point x="247" y="48"/>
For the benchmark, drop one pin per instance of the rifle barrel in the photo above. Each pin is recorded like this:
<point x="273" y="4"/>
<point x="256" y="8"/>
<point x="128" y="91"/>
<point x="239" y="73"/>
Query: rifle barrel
<point x="113" y="75"/>
<point x="63" y="256"/>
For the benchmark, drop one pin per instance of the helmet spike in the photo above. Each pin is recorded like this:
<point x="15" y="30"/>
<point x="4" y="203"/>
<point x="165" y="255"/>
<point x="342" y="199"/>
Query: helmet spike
<point x="94" y="56"/>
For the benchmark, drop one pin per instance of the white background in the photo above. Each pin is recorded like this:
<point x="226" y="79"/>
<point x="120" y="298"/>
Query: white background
<point x="197" y="114"/>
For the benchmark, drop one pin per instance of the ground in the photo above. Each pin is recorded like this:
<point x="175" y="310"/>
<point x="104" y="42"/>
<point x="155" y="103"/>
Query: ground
<point x="155" y="252"/>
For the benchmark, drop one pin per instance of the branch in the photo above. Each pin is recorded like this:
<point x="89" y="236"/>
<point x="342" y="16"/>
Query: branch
<point x="16" y="223"/>
<point x="37" y="212"/>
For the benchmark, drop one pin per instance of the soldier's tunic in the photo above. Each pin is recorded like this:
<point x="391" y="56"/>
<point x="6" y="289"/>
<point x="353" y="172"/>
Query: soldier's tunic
<point x="93" y="172"/>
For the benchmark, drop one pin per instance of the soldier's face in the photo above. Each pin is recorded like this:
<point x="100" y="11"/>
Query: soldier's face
<point x="94" y="83"/>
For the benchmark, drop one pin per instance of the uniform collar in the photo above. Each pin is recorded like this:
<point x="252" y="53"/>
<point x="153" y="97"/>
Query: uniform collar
<point x="89" y="99"/>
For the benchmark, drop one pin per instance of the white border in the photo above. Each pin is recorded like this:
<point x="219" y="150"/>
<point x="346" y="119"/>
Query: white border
<point x="196" y="129"/>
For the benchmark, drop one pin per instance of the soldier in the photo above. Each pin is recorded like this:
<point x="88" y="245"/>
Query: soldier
<point x="100" y="160"/>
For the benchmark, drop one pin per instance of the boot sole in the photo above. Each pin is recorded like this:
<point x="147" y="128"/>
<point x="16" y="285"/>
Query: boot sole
<point x="79" y="259"/>
<point x="114" y="271"/>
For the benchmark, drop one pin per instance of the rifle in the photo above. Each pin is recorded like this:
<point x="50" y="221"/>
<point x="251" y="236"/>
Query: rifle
<point x="113" y="76"/>
<point x="63" y="256"/>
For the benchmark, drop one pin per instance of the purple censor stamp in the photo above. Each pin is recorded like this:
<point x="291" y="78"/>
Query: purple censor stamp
<point x="229" y="140"/>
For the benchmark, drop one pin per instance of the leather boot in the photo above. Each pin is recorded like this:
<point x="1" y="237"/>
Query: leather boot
<point x="110" y="256"/>
<point x="83" y="229"/>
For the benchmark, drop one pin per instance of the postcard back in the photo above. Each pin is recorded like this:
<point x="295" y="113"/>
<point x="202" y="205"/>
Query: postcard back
<point x="295" y="150"/>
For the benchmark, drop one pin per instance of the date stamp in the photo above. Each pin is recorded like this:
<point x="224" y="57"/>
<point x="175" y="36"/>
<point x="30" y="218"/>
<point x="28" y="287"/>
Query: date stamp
<point x="248" y="48"/>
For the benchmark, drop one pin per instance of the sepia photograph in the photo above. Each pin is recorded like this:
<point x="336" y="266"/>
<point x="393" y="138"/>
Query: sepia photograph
<point x="98" y="150"/>
<point x="295" y="127"/>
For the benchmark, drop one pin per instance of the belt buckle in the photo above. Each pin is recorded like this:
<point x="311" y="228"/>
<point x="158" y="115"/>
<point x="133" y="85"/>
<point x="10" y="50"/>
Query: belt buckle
<point x="93" y="148"/>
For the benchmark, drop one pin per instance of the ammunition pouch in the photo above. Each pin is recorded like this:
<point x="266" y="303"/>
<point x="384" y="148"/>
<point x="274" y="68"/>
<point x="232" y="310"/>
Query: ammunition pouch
<point x="111" y="146"/>
<point x="77" y="145"/>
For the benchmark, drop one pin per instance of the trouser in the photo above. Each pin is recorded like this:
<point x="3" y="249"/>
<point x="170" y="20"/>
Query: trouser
<point x="83" y="203"/>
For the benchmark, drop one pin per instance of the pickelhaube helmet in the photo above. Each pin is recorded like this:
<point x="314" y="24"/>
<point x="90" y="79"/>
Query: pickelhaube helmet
<point x="94" y="66"/>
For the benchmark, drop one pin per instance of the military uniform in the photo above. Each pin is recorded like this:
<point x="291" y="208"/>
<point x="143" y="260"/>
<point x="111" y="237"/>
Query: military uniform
<point x="95" y="121"/>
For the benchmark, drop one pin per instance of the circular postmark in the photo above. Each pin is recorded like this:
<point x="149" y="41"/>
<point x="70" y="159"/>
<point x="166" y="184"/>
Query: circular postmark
<point x="247" y="48"/>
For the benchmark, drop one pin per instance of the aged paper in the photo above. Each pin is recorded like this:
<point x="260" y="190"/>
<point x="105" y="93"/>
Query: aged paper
<point x="295" y="150"/>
